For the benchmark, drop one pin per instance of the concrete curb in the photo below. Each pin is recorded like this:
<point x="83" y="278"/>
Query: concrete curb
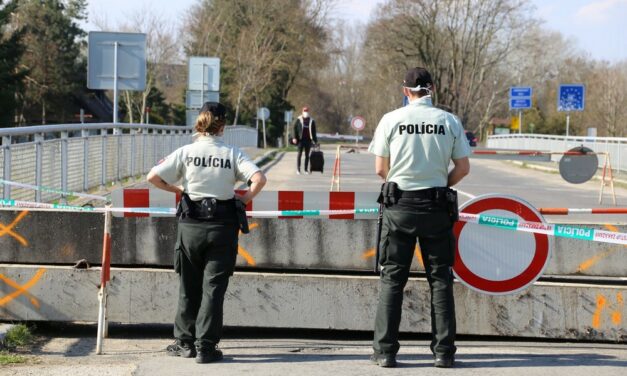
<point x="556" y="171"/>
<point x="265" y="158"/>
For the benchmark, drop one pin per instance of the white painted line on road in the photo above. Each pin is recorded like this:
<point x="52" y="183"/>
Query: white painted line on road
<point x="471" y="196"/>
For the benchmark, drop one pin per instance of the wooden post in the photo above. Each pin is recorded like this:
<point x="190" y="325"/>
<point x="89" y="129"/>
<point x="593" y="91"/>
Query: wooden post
<point x="607" y="171"/>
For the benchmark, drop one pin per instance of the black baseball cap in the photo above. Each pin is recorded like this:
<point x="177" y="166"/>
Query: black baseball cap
<point x="417" y="79"/>
<point x="217" y="109"/>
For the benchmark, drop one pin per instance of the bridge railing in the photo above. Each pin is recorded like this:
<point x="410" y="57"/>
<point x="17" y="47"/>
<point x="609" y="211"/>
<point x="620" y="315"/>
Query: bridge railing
<point x="78" y="157"/>
<point x="615" y="146"/>
<point x="240" y="136"/>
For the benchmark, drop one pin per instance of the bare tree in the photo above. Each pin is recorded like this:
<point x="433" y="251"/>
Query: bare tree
<point x="266" y="48"/>
<point x="607" y="99"/>
<point x="462" y="42"/>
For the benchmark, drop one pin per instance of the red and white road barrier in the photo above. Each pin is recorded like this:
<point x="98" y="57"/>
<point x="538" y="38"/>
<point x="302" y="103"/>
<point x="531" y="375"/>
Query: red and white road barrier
<point x="105" y="276"/>
<point x="509" y="152"/>
<point x="264" y="201"/>
<point x="566" y="211"/>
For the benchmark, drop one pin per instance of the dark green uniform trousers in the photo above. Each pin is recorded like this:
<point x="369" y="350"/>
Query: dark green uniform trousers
<point x="205" y="259"/>
<point x="403" y="223"/>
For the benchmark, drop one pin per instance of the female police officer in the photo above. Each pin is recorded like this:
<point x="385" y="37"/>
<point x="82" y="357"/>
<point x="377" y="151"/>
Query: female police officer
<point x="206" y="245"/>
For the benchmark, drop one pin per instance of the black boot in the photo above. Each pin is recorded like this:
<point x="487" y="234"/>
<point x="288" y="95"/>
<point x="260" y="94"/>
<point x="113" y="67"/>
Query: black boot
<point x="182" y="349"/>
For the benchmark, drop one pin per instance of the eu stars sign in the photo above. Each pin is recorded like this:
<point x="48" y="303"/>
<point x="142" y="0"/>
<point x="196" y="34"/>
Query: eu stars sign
<point x="571" y="97"/>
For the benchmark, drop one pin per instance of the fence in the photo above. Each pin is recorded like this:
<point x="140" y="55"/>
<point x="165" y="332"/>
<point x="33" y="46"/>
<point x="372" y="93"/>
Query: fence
<point x="615" y="146"/>
<point x="240" y="136"/>
<point x="77" y="157"/>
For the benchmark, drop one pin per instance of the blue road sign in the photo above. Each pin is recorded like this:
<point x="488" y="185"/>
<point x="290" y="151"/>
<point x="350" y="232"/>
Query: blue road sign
<point x="405" y="101"/>
<point x="517" y="92"/>
<point x="520" y="97"/>
<point x="571" y="97"/>
<point x="519" y="103"/>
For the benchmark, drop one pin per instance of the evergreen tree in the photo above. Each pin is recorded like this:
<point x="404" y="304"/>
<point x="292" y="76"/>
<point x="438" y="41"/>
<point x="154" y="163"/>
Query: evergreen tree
<point x="54" y="42"/>
<point x="11" y="74"/>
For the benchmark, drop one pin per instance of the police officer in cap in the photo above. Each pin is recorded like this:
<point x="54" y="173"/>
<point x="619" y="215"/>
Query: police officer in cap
<point x="210" y="218"/>
<point x="414" y="146"/>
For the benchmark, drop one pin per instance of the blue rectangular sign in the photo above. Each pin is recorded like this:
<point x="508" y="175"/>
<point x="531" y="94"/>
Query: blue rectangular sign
<point x="519" y="103"/>
<point x="517" y="92"/>
<point x="571" y="97"/>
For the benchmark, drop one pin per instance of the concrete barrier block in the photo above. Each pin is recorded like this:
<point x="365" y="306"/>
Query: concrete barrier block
<point x="64" y="238"/>
<point x="545" y="310"/>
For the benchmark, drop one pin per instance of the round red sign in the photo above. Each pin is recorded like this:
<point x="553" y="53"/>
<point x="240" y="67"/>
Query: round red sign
<point x="497" y="261"/>
<point x="358" y="123"/>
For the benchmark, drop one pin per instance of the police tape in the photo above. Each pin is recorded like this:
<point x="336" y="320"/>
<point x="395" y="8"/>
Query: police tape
<point x="561" y="231"/>
<point x="506" y="223"/>
<point x="52" y="190"/>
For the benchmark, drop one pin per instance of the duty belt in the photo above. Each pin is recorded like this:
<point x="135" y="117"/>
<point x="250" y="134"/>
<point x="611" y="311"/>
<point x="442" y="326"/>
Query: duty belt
<point x="428" y="193"/>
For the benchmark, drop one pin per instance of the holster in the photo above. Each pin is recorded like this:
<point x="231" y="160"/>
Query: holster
<point x="390" y="194"/>
<point x="449" y="197"/>
<point x="201" y="210"/>
<point x="240" y="209"/>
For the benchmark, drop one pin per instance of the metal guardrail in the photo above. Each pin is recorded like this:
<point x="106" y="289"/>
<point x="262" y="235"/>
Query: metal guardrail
<point x="78" y="157"/>
<point x="616" y="147"/>
<point x="240" y="136"/>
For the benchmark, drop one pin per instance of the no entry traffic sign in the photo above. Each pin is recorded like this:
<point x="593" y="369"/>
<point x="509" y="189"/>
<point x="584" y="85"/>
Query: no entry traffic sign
<point x="358" y="123"/>
<point x="497" y="262"/>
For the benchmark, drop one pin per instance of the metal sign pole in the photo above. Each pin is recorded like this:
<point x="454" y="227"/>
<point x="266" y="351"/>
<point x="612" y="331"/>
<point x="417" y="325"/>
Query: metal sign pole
<point x="263" y="122"/>
<point x="202" y="86"/>
<point x="115" y="82"/>
<point x="519" y="122"/>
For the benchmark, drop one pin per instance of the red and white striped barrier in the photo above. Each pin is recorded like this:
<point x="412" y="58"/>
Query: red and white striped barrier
<point x="105" y="276"/>
<point x="566" y="211"/>
<point x="265" y="201"/>
<point x="509" y="152"/>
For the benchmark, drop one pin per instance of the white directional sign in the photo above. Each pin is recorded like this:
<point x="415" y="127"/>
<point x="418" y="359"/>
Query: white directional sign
<point x="194" y="100"/>
<point x="117" y="57"/>
<point x="263" y="113"/>
<point x="571" y="97"/>
<point x="204" y="74"/>
<point x="287" y="116"/>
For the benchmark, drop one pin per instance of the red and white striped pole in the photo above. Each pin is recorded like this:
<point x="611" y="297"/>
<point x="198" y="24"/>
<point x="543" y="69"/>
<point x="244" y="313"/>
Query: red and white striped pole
<point x="105" y="276"/>
<point x="566" y="211"/>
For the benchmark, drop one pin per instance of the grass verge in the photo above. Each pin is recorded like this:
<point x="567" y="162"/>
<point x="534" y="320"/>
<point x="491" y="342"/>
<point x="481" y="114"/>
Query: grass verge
<point x="7" y="358"/>
<point x="18" y="336"/>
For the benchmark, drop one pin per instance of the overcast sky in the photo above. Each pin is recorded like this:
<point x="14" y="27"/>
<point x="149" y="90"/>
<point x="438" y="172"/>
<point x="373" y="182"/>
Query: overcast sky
<point x="598" y="27"/>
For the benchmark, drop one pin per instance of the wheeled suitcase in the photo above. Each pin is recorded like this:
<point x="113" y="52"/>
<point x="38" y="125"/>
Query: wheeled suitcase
<point x="316" y="160"/>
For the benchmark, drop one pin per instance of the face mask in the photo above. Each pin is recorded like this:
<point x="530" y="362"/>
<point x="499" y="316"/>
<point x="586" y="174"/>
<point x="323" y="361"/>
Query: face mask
<point x="305" y="114"/>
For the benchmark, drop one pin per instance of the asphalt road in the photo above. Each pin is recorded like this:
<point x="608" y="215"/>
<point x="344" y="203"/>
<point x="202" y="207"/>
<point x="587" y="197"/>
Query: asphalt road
<point x="139" y="350"/>
<point x="541" y="189"/>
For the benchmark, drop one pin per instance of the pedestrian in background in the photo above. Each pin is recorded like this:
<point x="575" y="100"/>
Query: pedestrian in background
<point x="414" y="146"/>
<point x="304" y="135"/>
<point x="209" y="220"/>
